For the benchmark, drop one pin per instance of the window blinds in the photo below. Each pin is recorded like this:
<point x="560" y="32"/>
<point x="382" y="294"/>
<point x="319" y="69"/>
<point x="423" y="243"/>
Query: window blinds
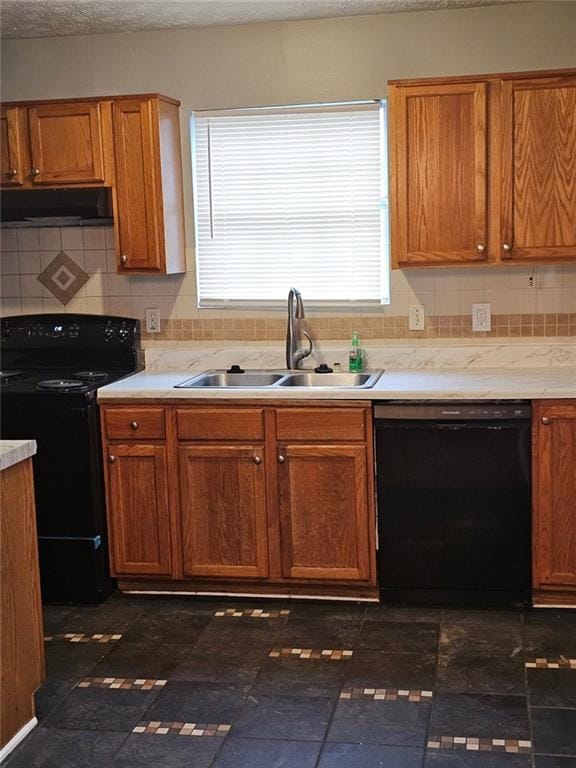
<point x="291" y="197"/>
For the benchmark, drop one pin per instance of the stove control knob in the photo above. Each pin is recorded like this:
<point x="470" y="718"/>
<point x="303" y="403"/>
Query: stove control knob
<point x="108" y="331"/>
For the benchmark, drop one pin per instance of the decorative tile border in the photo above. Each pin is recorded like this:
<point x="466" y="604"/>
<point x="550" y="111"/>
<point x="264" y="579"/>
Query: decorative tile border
<point x="560" y="663"/>
<point x="122" y="683"/>
<point x="475" y="744"/>
<point x="181" y="729"/>
<point x="310" y="653"/>
<point x="80" y="637"/>
<point x="386" y="694"/>
<point x="254" y="613"/>
<point x="370" y="327"/>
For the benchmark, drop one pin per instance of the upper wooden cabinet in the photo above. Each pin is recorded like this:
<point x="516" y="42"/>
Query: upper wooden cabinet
<point x="554" y="501"/>
<point x="149" y="200"/>
<point x="66" y="143"/>
<point x="483" y="169"/>
<point x="128" y="143"/>
<point x="539" y="169"/>
<point x="12" y="159"/>
<point x="440" y="154"/>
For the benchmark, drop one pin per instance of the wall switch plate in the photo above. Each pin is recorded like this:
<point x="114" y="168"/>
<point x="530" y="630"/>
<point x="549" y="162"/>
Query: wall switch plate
<point x="416" y="317"/>
<point x="152" y="320"/>
<point x="481" y="317"/>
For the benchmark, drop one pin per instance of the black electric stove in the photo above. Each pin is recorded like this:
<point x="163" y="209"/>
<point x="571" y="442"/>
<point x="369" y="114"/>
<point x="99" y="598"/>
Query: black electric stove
<point x="51" y="368"/>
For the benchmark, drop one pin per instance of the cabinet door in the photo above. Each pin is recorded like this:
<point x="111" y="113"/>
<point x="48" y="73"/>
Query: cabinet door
<point x="138" y="192"/>
<point x="439" y="147"/>
<point x="539" y="169"/>
<point x="223" y="504"/>
<point x="554" y="504"/>
<point x="66" y="143"/>
<point x="138" y="509"/>
<point x="11" y="157"/>
<point x="324" y="512"/>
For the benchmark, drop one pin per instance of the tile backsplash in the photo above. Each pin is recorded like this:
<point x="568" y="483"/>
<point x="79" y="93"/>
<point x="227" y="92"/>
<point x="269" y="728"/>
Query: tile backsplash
<point x="545" y="308"/>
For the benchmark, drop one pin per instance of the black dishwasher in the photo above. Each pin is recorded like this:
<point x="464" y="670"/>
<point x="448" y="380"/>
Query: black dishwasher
<point x="454" y="501"/>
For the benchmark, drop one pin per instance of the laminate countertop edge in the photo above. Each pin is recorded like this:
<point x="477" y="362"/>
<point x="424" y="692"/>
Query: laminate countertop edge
<point x="14" y="451"/>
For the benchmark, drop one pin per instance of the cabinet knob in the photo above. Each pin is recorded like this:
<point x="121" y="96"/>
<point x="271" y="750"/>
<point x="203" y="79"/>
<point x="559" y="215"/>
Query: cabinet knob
<point x="133" y="425"/>
<point x="545" y="420"/>
<point x="13" y="172"/>
<point x="123" y="258"/>
<point x="111" y="459"/>
<point x="257" y="460"/>
<point x="480" y="247"/>
<point x="507" y="247"/>
<point x="281" y="459"/>
<point x="35" y="172"/>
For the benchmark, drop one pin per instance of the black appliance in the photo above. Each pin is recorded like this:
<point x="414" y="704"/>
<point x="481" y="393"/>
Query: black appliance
<point x="52" y="366"/>
<point x="454" y="501"/>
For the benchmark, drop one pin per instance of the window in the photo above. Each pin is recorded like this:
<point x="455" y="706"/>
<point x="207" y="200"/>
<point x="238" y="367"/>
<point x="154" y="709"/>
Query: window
<point x="291" y="196"/>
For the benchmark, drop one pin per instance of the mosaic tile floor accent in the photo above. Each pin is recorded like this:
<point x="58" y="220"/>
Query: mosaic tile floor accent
<point x="385" y="694"/>
<point x="63" y="277"/>
<point x="310" y="653"/>
<point x="123" y="683"/>
<point x="81" y="637"/>
<point x="255" y="613"/>
<point x="474" y="744"/>
<point x="561" y="663"/>
<point x="182" y="729"/>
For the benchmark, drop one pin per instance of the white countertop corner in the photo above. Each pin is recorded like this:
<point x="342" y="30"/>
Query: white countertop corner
<point x="14" y="451"/>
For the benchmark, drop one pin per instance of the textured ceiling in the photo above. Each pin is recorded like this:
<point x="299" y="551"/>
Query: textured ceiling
<point x="51" y="18"/>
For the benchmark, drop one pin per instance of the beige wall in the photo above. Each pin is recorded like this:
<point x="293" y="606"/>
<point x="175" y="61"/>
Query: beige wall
<point x="315" y="61"/>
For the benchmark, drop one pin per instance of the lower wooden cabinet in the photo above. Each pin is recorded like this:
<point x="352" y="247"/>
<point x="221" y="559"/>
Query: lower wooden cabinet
<point x="554" y="501"/>
<point x="138" y="509"/>
<point x="267" y="498"/>
<point x="223" y="511"/>
<point x="323" y="512"/>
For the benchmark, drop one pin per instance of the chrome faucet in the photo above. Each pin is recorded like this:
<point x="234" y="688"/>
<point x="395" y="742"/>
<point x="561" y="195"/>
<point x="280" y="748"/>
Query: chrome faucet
<point x="295" y="312"/>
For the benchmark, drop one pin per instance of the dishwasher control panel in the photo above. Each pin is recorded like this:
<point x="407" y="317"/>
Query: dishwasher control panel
<point x="453" y="411"/>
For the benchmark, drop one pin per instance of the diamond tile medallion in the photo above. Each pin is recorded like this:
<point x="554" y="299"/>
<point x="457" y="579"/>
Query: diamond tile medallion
<point x="63" y="277"/>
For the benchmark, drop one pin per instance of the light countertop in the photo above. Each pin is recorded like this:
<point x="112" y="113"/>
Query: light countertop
<point x="488" y="384"/>
<point x="14" y="451"/>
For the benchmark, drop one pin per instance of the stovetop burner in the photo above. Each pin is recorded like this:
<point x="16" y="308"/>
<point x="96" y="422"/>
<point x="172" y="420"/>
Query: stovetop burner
<point x="7" y="376"/>
<point x="91" y="375"/>
<point x="61" y="385"/>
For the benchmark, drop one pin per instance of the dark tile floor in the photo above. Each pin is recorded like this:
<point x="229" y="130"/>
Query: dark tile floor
<point x="185" y="687"/>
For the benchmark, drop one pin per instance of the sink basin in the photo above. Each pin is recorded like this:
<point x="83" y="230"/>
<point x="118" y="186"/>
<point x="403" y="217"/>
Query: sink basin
<point x="223" y="379"/>
<point x="257" y="379"/>
<point x="340" y="380"/>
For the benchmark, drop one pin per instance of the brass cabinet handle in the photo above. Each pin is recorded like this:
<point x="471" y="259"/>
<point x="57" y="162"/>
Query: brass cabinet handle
<point x="281" y="459"/>
<point x="257" y="460"/>
<point x="133" y="425"/>
<point x="545" y="420"/>
<point x="507" y="247"/>
<point x="13" y="172"/>
<point x="111" y="459"/>
<point x="123" y="258"/>
<point x="35" y="172"/>
<point x="480" y="247"/>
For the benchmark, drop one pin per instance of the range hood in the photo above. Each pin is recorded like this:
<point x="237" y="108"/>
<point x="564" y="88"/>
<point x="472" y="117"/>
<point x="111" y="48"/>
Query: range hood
<point x="67" y="207"/>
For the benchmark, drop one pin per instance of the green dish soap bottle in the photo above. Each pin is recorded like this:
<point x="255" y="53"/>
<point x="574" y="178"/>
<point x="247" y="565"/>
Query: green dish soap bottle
<point x="355" y="356"/>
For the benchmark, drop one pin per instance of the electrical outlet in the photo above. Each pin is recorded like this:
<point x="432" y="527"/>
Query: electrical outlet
<point x="152" y="320"/>
<point x="416" y="317"/>
<point x="481" y="317"/>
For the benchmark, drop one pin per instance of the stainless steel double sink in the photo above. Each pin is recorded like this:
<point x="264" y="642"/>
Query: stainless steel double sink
<point x="258" y="379"/>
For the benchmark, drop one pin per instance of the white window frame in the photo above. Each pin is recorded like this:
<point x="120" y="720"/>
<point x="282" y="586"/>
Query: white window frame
<point x="339" y="304"/>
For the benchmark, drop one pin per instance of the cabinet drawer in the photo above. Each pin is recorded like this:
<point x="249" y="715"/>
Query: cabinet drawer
<point x="314" y="424"/>
<point x="243" y="424"/>
<point x="134" y="423"/>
